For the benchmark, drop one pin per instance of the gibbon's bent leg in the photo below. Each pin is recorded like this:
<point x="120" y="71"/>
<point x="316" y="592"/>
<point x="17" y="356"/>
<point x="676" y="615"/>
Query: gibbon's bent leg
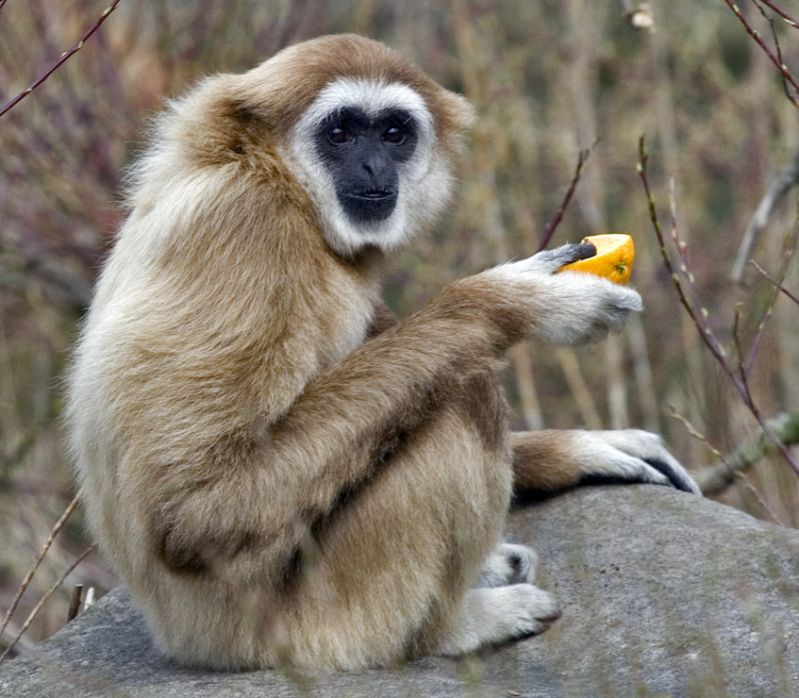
<point x="426" y="577"/>
<point x="552" y="460"/>
<point x="508" y="563"/>
<point x="399" y="600"/>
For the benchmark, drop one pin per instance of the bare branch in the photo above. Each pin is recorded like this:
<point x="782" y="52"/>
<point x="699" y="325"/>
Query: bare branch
<point x="29" y="576"/>
<point x="8" y="106"/>
<point x="786" y="74"/>
<point x="790" y="21"/>
<point x="777" y="46"/>
<point x="737" y="374"/>
<point x="776" y="283"/>
<point x="723" y="462"/>
<point x="787" y="179"/>
<point x="714" y="478"/>
<point x="553" y="224"/>
<point x="705" y="332"/>
<point x="74" y="602"/>
<point x="40" y="604"/>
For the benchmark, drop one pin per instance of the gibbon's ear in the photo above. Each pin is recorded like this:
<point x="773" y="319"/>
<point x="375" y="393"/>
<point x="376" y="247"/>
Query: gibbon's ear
<point x="455" y="118"/>
<point x="215" y="122"/>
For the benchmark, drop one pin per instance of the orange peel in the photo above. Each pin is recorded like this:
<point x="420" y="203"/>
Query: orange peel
<point x="613" y="260"/>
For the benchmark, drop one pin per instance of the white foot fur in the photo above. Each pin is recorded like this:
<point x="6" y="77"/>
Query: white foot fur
<point x="493" y="616"/>
<point x="508" y="564"/>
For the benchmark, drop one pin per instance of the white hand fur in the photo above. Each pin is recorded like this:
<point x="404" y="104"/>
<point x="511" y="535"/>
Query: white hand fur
<point x="570" y="308"/>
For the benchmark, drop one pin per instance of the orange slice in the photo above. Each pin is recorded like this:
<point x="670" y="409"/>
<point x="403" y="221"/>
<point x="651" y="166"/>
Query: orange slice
<point x="613" y="259"/>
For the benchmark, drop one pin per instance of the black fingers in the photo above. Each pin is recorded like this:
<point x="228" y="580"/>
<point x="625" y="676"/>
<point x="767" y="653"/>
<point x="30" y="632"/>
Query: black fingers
<point x="677" y="479"/>
<point x="582" y="250"/>
<point x="566" y="254"/>
<point x="572" y="252"/>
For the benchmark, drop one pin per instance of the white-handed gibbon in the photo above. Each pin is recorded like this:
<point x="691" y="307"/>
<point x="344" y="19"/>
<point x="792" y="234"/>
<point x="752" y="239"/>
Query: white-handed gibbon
<point x="277" y="469"/>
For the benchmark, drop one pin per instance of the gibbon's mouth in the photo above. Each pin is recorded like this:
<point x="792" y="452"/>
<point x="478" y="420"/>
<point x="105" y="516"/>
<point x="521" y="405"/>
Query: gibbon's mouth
<point x="374" y="195"/>
<point x="371" y="205"/>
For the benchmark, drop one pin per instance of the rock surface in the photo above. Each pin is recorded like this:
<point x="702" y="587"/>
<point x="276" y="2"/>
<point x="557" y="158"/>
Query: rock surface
<point x="663" y="594"/>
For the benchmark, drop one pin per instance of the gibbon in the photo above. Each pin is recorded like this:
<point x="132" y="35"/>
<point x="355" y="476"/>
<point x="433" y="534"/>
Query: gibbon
<point x="279" y="470"/>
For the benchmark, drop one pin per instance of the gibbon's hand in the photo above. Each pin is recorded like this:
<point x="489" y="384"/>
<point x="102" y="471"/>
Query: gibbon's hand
<point x="630" y="455"/>
<point x="568" y="308"/>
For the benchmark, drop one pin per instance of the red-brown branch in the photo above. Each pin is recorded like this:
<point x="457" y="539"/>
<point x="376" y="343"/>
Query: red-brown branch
<point x="8" y="106"/>
<point x="739" y="378"/>
<point x="553" y="224"/>
<point x="786" y="74"/>
<point x="786" y="17"/>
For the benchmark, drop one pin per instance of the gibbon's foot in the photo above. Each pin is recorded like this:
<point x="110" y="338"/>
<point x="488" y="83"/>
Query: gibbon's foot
<point x="496" y="615"/>
<point x="508" y="564"/>
<point x="630" y="455"/>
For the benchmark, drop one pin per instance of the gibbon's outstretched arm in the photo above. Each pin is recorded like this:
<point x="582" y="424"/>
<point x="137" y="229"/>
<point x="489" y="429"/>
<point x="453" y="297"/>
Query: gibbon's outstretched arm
<point x="336" y="432"/>
<point x="552" y="459"/>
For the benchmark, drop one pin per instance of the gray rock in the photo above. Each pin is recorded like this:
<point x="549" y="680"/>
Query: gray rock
<point x="663" y="594"/>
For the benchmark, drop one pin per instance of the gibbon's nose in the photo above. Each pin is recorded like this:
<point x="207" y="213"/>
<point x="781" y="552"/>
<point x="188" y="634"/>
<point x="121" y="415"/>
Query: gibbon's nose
<point x="375" y="165"/>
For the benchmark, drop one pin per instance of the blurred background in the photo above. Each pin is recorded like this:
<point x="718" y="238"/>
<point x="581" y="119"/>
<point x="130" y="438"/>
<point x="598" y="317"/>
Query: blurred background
<point x="548" y="79"/>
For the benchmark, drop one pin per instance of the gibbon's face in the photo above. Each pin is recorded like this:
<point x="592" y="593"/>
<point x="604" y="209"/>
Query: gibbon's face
<point x="363" y="154"/>
<point x="368" y="156"/>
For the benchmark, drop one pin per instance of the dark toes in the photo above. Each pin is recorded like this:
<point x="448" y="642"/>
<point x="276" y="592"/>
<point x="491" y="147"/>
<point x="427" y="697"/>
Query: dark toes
<point x="675" y="478"/>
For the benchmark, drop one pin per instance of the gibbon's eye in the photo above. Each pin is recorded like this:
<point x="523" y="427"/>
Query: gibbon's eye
<point x="395" y="135"/>
<point x="338" y="135"/>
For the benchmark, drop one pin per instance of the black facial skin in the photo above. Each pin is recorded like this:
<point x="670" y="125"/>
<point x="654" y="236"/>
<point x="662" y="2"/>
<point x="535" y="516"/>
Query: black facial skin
<point x="362" y="154"/>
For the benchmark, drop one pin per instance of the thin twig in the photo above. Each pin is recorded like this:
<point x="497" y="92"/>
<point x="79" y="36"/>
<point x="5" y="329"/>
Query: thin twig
<point x="553" y="224"/>
<point x="777" y="47"/>
<point x="694" y="433"/>
<point x="705" y="332"/>
<point x="700" y="319"/>
<point x="736" y="340"/>
<point x="74" y="602"/>
<point x="725" y="467"/>
<point x="788" y="249"/>
<point x="774" y="59"/>
<point x="24" y="645"/>
<point x="29" y="576"/>
<point x="774" y="282"/>
<point x="38" y="607"/>
<point x="787" y="179"/>
<point x="679" y="244"/>
<point x="714" y="478"/>
<point x="790" y="21"/>
<point x="62" y="59"/>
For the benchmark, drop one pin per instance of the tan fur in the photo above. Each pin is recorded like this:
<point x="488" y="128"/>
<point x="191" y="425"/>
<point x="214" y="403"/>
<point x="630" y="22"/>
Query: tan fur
<point x="276" y="470"/>
<point x="544" y="461"/>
